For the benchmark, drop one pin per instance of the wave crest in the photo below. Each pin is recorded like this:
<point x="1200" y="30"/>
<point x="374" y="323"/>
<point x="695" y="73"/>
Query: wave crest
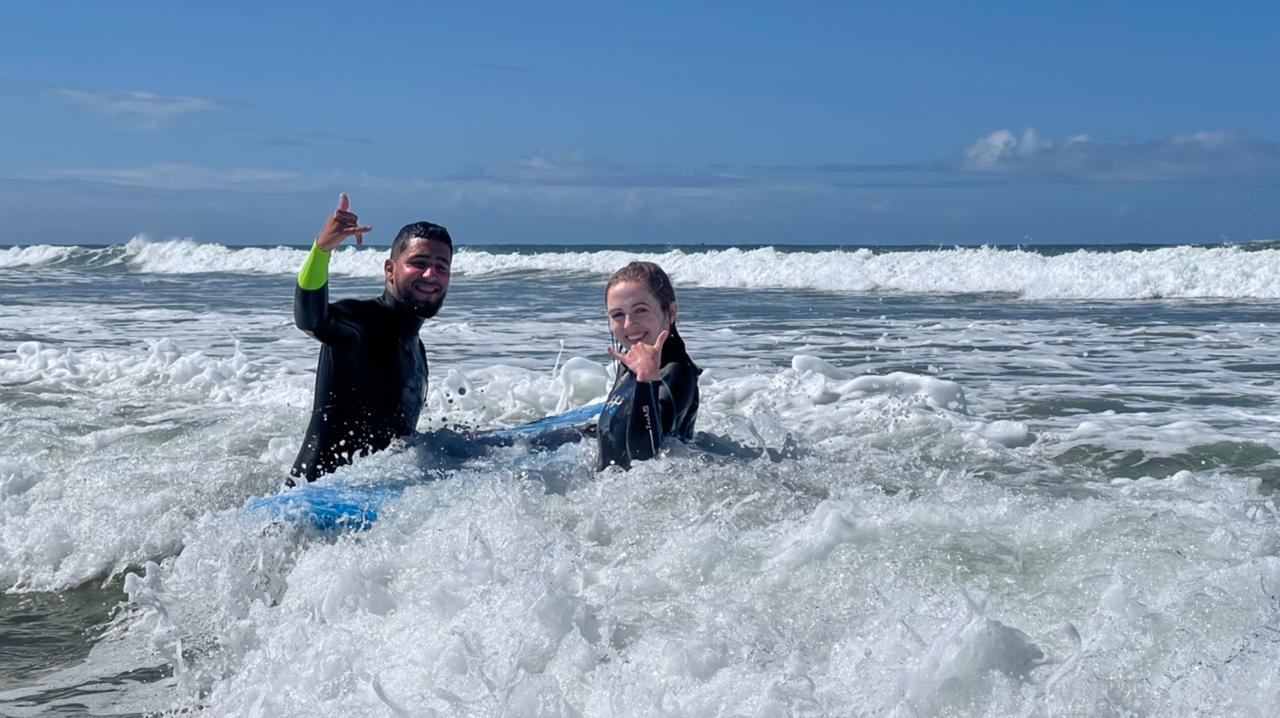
<point x="1182" y="272"/>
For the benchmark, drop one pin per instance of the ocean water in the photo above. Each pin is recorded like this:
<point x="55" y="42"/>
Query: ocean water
<point x="1035" y="482"/>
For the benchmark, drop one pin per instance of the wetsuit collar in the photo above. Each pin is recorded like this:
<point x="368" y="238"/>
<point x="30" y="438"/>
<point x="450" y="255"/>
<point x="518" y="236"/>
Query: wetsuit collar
<point x="674" y="351"/>
<point x="403" y="319"/>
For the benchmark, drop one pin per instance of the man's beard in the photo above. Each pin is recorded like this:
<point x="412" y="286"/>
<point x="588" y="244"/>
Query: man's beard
<point x="425" y="308"/>
<point x="403" y="299"/>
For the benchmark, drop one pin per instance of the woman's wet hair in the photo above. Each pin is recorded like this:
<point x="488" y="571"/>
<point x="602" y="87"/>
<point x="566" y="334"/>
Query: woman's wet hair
<point x="419" y="230"/>
<point x="650" y="275"/>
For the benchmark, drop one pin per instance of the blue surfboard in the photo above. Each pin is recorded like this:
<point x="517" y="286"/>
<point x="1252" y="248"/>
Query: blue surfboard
<point x="336" y="508"/>
<point x="327" y="508"/>
<point x="572" y="419"/>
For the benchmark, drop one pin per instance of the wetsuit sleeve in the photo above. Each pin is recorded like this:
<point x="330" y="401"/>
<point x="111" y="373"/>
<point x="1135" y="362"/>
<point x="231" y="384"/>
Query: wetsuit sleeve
<point x="312" y="312"/>
<point x="658" y="408"/>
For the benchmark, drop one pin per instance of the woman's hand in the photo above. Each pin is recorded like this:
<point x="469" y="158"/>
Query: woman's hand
<point x="644" y="360"/>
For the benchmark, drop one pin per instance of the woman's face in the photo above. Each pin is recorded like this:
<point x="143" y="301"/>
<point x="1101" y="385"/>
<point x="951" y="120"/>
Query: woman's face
<point x="634" y="314"/>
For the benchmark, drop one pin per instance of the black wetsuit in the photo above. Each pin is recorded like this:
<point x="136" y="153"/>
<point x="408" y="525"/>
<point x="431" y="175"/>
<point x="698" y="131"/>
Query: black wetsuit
<point x="371" y="381"/>
<point x="638" y="417"/>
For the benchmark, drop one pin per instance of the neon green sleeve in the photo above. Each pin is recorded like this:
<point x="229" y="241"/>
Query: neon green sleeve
<point x="315" y="270"/>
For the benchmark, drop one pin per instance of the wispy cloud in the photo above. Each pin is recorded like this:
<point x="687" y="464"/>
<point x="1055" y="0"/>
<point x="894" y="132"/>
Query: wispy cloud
<point x="535" y="186"/>
<point x="569" y="180"/>
<point x="836" y="168"/>
<point x="575" y="180"/>
<point x="181" y="177"/>
<point x="1222" y="156"/>
<point x="297" y="138"/>
<point x="501" y="68"/>
<point x="1210" y="156"/>
<point x="142" y="110"/>
<point x="578" y="170"/>
<point x="925" y="184"/>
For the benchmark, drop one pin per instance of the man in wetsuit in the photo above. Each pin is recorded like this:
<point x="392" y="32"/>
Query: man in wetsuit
<point x="371" y="380"/>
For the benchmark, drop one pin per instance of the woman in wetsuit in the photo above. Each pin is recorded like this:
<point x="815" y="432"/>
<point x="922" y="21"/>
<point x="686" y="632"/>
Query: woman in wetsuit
<point x="656" y="394"/>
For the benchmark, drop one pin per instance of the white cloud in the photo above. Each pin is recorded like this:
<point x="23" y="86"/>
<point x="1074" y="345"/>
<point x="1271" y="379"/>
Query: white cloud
<point x="1218" y="155"/>
<point x="186" y="177"/>
<point x="576" y="169"/>
<point x="533" y="199"/>
<point x="145" y="109"/>
<point x="1001" y="148"/>
<point x="989" y="151"/>
<point x="619" y="200"/>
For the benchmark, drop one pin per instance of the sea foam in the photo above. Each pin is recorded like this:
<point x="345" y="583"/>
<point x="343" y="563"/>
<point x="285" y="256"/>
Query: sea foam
<point x="1182" y="272"/>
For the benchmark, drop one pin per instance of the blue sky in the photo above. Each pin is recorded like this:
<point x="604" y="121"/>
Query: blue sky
<point x="812" y="123"/>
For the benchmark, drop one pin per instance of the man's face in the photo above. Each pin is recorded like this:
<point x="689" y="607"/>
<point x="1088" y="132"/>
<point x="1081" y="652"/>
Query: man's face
<point x="419" y="277"/>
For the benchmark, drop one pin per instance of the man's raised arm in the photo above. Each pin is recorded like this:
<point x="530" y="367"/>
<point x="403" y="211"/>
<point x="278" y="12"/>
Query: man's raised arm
<point x="312" y="312"/>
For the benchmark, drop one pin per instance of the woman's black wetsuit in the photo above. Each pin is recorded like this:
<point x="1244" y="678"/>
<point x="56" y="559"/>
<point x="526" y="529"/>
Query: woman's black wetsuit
<point x="639" y="416"/>
<point x="371" y="381"/>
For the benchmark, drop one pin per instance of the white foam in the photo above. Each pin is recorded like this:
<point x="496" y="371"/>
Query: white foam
<point x="11" y="257"/>
<point x="186" y="256"/>
<point x="1182" y="272"/>
<point x="839" y="583"/>
<point x="163" y="363"/>
<point x="710" y="592"/>
<point x="126" y="452"/>
<point x="1168" y="272"/>
<point x="965" y="496"/>
<point x="175" y="392"/>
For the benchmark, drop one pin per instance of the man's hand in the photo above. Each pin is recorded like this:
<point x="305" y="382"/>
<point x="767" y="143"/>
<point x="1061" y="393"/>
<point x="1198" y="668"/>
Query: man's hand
<point x="644" y="360"/>
<point x="341" y="225"/>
